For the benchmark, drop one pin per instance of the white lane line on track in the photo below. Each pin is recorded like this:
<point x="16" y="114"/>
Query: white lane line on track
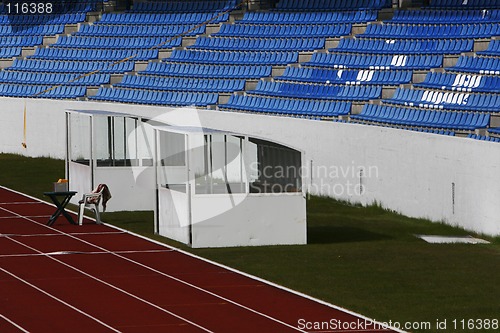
<point x="16" y="217"/>
<point x="69" y="233"/>
<point x="57" y="253"/>
<point x="19" y="327"/>
<point x="158" y="272"/>
<point x="112" y="286"/>
<point x="58" y="299"/>
<point x="20" y="203"/>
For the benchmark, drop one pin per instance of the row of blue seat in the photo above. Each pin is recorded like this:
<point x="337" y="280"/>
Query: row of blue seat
<point x="93" y="54"/>
<point x="308" y="17"/>
<point x="483" y="138"/>
<point x="12" y="90"/>
<point x="423" y="118"/>
<point x="324" y="75"/>
<point x="9" y="52"/>
<point x="31" y="30"/>
<point x="493" y="49"/>
<point x="162" y="19"/>
<point x="406" y="62"/>
<point x="429" y="16"/>
<point x="70" y="18"/>
<point x="207" y="71"/>
<point x="461" y="82"/>
<point x="139" y="30"/>
<point x="180" y="84"/>
<point x="7" y="76"/>
<point x="117" y="42"/>
<point x="494" y="130"/>
<point x="446" y="100"/>
<point x="20" y="41"/>
<point x="404" y="46"/>
<point x="431" y="131"/>
<point x="233" y="57"/>
<point x="50" y="66"/>
<point x="309" y="108"/>
<point x="333" y="5"/>
<point x="466" y="3"/>
<point x="258" y="44"/>
<point x="427" y="31"/>
<point x="183" y="6"/>
<point x="315" y="91"/>
<point x="480" y="65"/>
<point x="154" y="97"/>
<point x="284" y="31"/>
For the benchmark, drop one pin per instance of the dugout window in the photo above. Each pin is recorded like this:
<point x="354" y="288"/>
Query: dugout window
<point x="218" y="164"/>
<point x="172" y="167"/>
<point x="80" y="138"/>
<point x="122" y="141"/>
<point x="103" y="140"/>
<point x="274" y="168"/>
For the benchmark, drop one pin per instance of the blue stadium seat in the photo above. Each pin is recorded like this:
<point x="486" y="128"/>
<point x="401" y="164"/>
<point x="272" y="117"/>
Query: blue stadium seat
<point x="480" y="65"/>
<point x="162" y="19"/>
<point x="465" y="4"/>
<point x="492" y="50"/>
<point x="354" y="61"/>
<point x="306" y="108"/>
<point x="398" y="116"/>
<point x="105" y="30"/>
<point x="183" y="6"/>
<point x="332" y="5"/>
<point x="233" y="57"/>
<point x="180" y="84"/>
<point x="283" y="31"/>
<point x="461" y="82"/>
<point x="332" y="17"/>
<point x="155" y="97"/>
<point x="93" y="54"/>
<point x="313" y="91"/>
<point x="428" y="31"/>
<point x="429" y="16"/>
<point x="441" y="46"/>
<point x="333" y="76"/>
<point x="483" y="138"/>
<point x="446" y="100"/>
<point x="116" y="43"/>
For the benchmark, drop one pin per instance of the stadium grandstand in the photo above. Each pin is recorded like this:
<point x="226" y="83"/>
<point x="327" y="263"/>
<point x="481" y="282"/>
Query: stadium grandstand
<point x="434" y="69"/>
<point x="412" y="66"/>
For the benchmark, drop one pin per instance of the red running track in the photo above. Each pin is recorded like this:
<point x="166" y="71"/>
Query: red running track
<point x="97" y="278"/>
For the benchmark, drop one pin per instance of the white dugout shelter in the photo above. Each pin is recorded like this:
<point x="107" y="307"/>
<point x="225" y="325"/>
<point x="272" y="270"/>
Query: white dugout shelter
<point x="208" y="188"/>
<point x="219" y="189"/>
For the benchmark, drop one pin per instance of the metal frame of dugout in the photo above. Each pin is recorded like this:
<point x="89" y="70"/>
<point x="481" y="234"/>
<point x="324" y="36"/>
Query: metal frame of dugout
<point x="218" y="189"/>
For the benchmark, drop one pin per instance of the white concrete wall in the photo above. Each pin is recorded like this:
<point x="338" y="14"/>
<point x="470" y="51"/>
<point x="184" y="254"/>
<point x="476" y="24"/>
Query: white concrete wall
<point x="411" y="173"/>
